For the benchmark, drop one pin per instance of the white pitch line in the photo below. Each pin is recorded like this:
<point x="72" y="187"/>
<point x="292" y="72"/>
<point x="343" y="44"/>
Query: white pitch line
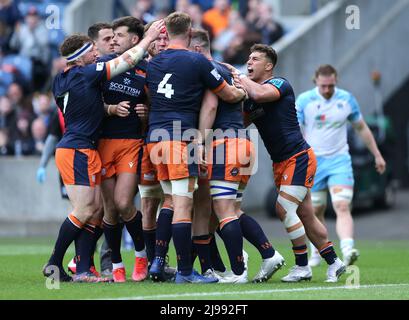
<point x="27" y="250"/>
<point x="251" y="292"/>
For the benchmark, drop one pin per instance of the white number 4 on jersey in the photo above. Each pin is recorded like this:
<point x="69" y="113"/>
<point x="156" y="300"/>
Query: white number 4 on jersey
<point x="166" y="88"/>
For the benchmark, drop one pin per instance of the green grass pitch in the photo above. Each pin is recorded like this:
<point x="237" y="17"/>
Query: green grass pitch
<point x="382" y="267"/>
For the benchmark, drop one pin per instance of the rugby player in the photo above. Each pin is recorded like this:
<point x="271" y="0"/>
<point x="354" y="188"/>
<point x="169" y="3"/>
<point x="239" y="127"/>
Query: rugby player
<point x="324" y="113"/>
<point x="271" y="108"/>
<point x="226" y="120"/>
<point x="77" y="91"/>
<point x="102" y="35"/>
<point x="120" y="143"/>
<point x="176" y="81"/>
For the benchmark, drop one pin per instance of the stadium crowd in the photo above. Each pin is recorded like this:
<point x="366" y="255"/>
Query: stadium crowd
<point x="29" y="55"/>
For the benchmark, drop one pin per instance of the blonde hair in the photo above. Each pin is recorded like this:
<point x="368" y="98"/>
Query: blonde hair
<point x="178" y="23"/>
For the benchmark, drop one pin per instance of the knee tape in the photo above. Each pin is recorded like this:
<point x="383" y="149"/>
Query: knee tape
<point x="339" y="193"/>
<point x="166" y="187"/>
<point x="184" y="187"/>
<point x="153" y="191"/>
<point x="240" y="192"/>
<point x="223" y="189"/>
<point x="292" y="222"/>
<point x="319" y="198"/>
<point x="298" y="192"/>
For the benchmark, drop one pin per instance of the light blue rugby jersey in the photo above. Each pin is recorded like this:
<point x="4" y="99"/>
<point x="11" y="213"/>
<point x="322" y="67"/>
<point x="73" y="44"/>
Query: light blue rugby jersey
<point x="325" y="121"/>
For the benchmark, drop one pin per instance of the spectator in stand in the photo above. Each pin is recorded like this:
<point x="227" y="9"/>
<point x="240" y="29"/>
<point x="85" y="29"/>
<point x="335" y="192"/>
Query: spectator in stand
<point x="39" y="134"/>
<point x="233" y="45"/>
<point x="58" y="65"/>
<point x="252" y="11"/>
<point x="218" y="17"/>
<point x="8" y="114"/>
<point x="196" y="14"/>
<point x="21" y="137"/>
<point x="182" y="5"/>
<point x="30" y="39"/>
<point x="43" y="107"/>
<point x="144" y="11"/>
<point x="20" y="103"/>
<point x="9" y="16"/>
<point x="5" y="147"/>
<point x="266" y="25"/>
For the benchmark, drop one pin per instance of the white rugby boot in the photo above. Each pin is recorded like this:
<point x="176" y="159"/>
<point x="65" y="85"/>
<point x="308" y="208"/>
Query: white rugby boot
<point x="335" y="270"/>
<point x="298" y="274"/>
<point x="350" y="256"/>
<point x="269" y="267"/>
<point x="234" y="278"/>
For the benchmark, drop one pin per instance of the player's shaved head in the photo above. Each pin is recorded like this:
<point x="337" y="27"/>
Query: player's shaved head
<point x="178" y="24"/>
<point x="93" y="31"/>
<point x="201" y="38"/>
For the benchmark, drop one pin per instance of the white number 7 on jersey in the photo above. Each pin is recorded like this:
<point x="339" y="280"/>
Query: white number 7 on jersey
<point x="166" y="88"/>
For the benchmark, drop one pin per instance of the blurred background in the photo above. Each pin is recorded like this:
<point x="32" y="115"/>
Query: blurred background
<point x="367" y="44"/>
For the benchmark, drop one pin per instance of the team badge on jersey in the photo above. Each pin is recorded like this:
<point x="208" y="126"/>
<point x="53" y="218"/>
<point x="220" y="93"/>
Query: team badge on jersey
<point x="100" y="66"/>
<point x="277" y="83"/>
<point x="216" y="74"/>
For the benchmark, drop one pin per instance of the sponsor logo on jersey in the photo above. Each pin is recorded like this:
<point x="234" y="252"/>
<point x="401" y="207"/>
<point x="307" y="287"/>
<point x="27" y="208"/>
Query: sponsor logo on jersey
<point x="123" y="88"/>
<point x="127" y="81"/>
<point x="131" y="164"/>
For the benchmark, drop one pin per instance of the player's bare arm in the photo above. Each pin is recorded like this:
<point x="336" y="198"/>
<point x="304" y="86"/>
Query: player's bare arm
<point x="367" y="137"/>
<point x="208" y="113"/>
<point x="260" y="93"/>
<point x="231" y="94"/>
<point x="121" y="109"/>
<point x="131" y="57"/>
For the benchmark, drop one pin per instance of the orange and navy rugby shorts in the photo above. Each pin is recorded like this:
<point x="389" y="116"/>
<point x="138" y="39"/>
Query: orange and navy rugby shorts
<point x="81" y="167"/>
<point x="230" y="160"/>
<point x="299" y="170"/>
<point x="174" y="160"/>
<point x="119" y="156"/>
<point x="147" y="174"/>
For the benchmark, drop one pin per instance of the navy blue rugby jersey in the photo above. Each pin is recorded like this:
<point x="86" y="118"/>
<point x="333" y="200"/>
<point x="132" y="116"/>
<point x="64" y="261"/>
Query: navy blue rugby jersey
<point x="229" y="115"/>
<point x="78" y="95"/>
<point x="128" y="86"/>
<point x="277" y="122"/>
<point x="177" y="79"/>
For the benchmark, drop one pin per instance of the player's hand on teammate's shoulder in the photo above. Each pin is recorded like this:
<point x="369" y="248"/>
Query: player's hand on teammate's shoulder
<point x="229" y="66"/>
<point x="142" y="111"/>
<point x="380" y="164"/>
